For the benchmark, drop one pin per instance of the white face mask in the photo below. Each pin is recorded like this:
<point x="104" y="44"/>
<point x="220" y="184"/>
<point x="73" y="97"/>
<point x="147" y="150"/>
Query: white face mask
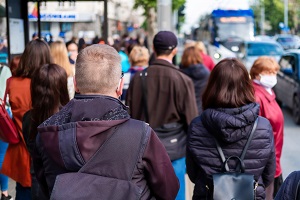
<point x="268" y="81"/>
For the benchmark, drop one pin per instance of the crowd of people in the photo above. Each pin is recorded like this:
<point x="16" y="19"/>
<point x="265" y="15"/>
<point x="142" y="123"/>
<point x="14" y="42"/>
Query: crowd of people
<point x="132" y="121"/>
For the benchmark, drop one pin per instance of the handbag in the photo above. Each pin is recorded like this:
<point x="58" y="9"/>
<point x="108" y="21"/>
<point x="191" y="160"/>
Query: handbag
<point x="8" y="130"/>
<point x="237" y="185"/>
<point x="172" y="135"/>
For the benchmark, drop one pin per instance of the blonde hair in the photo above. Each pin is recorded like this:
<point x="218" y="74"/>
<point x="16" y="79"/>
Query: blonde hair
<point x="263" y="63"/>
<point x="139" y="56"/>
<point x="200" y="45"/>
<point x="59" y="54"/>
<point x="98" y="69"/>
<point x="189" y="43"/>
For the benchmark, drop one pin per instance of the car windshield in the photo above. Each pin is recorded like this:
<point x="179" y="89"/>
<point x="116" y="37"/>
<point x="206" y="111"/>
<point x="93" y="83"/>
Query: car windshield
<point x="286" y="39"/>
<point x="260" y="49"/>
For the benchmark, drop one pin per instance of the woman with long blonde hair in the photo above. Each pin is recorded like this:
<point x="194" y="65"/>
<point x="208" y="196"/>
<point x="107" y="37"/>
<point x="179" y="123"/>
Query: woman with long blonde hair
<point x="60" y="57"/>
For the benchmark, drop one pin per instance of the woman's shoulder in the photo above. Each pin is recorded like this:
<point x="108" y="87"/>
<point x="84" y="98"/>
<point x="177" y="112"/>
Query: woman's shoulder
<point x="264" y="127"/>
<point x="196" y="126"/>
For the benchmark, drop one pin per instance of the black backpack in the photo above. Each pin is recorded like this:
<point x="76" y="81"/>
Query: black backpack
<point x="236" y="185"/>
<point x="117" y="157"/>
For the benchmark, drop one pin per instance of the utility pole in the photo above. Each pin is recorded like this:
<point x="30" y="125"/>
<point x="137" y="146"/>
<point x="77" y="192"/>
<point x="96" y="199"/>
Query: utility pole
<point x="262" y="18"/>
<point x="164" y="15"/>
<point x="286" y="8"/>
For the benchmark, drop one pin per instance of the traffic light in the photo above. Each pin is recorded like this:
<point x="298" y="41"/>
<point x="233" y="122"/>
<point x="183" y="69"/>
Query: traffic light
<point x="181" y="12"/>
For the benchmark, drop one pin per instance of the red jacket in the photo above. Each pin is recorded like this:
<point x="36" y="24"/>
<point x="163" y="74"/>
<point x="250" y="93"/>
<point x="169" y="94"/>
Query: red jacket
<point x="208" y="61"/>
<point x="16" y="164"/>
<point x="270" y="109"/>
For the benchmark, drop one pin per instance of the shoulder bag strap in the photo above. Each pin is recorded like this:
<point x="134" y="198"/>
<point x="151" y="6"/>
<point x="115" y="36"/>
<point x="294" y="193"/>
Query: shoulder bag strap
<point x="1" y="68"/>
<point x="121" y="151"/>
<point x="144" y="94"/>
<point x="6" y="90"/>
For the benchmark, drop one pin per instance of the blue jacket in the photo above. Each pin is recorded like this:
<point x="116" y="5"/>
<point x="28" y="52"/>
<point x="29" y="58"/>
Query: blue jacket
<point x="231" y="127"/>
<point x="289" y="190"/>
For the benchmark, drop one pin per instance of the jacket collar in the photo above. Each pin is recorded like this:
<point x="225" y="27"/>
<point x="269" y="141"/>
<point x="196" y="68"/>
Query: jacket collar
<point x="262" y="90"/>
<point x="164" y="63"/>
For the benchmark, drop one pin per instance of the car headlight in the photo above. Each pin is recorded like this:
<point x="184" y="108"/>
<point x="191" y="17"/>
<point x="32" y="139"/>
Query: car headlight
<point x="217" y="56"/>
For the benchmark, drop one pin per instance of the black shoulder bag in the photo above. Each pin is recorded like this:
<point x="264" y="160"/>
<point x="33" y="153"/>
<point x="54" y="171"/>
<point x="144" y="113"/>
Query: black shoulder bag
<point x="172" y="135"/>
<point x="230" y="185"/>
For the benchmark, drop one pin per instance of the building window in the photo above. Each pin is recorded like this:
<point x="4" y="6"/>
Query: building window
<point x="45" y="26"/>
<point x="66" y="26"/>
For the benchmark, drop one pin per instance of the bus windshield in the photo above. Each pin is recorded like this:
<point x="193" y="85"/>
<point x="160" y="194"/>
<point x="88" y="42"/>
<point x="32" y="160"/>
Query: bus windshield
<point x="235" y="30"/>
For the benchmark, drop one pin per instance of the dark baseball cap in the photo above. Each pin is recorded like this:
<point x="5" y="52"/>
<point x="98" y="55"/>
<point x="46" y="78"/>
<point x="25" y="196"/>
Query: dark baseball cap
<point x="165" y="40"/>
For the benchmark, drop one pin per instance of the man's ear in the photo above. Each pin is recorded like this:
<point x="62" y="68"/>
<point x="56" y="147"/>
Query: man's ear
<point x="119" y="90"/>
<point x="75" y="85"/>
<point x="174" y="52"/>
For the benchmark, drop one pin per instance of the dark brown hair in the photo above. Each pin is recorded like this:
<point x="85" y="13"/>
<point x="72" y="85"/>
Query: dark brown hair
<point x="14" y="63"/>
<point x="191" y="56"/>
<point x="229" y="86"/>
<point x="48" y="93"/>
<point x="35" y="55"/>
<point x="162" y="52"/>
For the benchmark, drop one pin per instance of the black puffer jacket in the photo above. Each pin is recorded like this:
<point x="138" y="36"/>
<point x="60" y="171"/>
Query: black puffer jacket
<point x="231" y="127"/>
<point x="199" y="74"/>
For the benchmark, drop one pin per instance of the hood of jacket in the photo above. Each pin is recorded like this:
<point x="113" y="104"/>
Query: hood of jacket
<point x="80" y="128"/>
<point x="197" y="72"/>
<point x="230" y="124"/>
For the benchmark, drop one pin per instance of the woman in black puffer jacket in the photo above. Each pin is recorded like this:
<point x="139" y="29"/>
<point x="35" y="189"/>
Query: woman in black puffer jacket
<point x="229" y="114"/>
<point x="192" y="65"/>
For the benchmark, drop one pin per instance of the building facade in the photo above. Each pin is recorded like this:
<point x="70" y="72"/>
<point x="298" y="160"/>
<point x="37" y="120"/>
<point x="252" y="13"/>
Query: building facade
<point x="84" y="19"/>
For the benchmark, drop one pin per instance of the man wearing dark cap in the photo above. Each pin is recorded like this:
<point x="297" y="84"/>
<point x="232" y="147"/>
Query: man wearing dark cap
<point x="164" y="97"/>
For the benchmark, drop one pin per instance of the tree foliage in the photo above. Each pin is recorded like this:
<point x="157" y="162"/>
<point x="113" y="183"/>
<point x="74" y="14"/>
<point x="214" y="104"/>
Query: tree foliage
<point x="148" y="4"/>
<point x="274" y="14"/>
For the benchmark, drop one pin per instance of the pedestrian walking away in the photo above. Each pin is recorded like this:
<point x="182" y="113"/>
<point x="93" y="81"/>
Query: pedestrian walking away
<point x="102" y="150"/>
<point x="164" y="97"/>
<point x="229" y="114"/>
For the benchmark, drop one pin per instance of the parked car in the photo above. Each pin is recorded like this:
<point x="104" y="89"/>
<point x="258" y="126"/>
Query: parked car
<point x="288" y="78"/>
<point x="287" y="41"/>
<point x="263" y="38"/>
<point x="251" y="50"/>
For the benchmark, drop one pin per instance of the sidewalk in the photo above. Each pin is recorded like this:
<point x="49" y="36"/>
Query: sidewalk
<point x="12" y="188"/>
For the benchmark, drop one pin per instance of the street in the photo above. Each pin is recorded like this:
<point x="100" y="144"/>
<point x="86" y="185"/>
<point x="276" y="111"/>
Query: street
<point x="290" y="158"/>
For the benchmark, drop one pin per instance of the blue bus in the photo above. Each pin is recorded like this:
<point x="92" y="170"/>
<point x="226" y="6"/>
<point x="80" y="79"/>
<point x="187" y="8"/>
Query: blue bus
<point x="226" y="27"/>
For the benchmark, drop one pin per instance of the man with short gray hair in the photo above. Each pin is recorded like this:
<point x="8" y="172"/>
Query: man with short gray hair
<point x="94" y="146"/>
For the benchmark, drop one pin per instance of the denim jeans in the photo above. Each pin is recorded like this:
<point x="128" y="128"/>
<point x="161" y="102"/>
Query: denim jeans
<point x="179" y="168"/>
<point x="3" y="178"/>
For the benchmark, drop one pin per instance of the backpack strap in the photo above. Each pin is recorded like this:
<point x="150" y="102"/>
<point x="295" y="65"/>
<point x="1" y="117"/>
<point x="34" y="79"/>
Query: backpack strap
<point x="118" y="156"/>
<point x="244" y="150"/>
<point x="249" y="140"/>
<point x="221" y="154"/>
<point x="144" y="94"/>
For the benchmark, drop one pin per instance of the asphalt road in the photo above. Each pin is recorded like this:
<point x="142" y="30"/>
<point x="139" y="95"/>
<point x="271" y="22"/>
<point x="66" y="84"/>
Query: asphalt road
<point x="291" y="149"/>
<point x="290" y="159"/>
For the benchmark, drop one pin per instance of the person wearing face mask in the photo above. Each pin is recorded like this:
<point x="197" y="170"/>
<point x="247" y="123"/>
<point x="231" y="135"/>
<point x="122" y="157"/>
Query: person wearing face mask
<point x="263" y="74"/>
